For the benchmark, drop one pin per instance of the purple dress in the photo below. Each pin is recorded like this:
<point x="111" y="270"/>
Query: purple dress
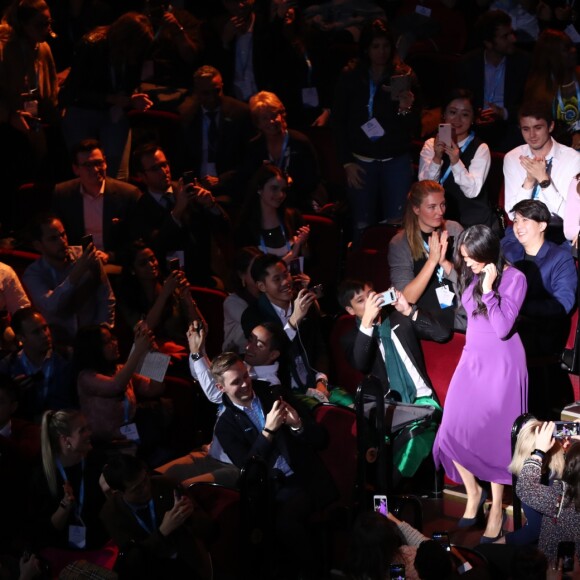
<point x="489" y="388"/>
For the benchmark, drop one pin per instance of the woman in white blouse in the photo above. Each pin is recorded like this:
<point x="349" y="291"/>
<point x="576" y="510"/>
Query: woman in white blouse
<point x="461" y="166"/>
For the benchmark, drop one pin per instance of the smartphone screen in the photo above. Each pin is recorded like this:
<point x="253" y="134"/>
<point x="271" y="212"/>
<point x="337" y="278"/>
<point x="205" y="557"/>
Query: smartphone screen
<point x="86" y="240"/>
<point x="397" y="572"/>
<point x="443" y="539"/>
<point x="445" y="134"/>
<point x="380" y="504"/>
<point x="566" y="429"/>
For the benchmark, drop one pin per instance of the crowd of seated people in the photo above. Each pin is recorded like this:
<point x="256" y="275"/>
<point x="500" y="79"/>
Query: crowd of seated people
<point x="251" y="97"/>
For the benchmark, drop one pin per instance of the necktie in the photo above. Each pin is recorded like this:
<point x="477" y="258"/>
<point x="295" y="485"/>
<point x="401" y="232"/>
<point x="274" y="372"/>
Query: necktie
<point x="212" y="136"/>
<point x="168" y="201"/>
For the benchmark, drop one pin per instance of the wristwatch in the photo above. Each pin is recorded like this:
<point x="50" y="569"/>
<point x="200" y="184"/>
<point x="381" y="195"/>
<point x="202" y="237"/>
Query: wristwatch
<point x="544" y="183"/>
<point x="196" y="356"/>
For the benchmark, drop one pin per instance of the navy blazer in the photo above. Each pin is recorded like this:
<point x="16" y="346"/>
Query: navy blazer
<point x="119" y="203"/>
<point x="552" y="279"/>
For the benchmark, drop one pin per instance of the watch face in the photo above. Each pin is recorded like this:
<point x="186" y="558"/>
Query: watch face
<point x="545" y="183"/>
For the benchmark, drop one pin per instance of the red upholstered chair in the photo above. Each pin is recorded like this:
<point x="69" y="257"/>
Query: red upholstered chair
<point x="343" y="374"/>
<point x="18" y="260"/>
<point x="441" y="361"/>
<point x="340" y="455"/>
<point x="211" y="304"/>
<point x="369" y="265"/>
<point x="377" y="237"/>
<point x="222" y="505"/>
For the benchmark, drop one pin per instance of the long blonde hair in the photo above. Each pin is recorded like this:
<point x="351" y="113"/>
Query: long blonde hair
<point x="418" y="192"/>
<point x="525" y="444"/>
<point x="55" y="424"/>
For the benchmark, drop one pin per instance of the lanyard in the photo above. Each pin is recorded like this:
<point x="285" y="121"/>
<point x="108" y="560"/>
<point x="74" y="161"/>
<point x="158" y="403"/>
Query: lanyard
<point x="151" y="515"/>
<point x="372" y="92"/>
<point x="309" y="67"/>
<point x="283" y="162"/>
<point x="570" y="114"/>
<point x="264" y="248"/>
<point x="439" y="270"/>
<point x="461" y="150"/>
<point x="81" y="499"/>
<point x="126" y="409"/>
<point x="46" y="368"/>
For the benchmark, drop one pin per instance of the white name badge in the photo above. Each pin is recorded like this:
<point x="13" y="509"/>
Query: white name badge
<point x="310" y="97"/>
<point x="445" y="296"/>
<point x="423" y="10"/>
<point x="130" y="431"/>
<point x="373" y="130"/>
<point x="77" y="536"/>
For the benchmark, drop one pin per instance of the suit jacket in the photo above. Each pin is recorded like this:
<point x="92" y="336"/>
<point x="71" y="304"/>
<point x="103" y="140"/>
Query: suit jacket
<point x="363" y="351"/>
<point x="119" y="202"/>
<point x="153" y="548"/>
<point x="516" y="72"/>
<point x="309" y="344"/>
<point x="155" y="225"/>
<point x="234" y="131"/>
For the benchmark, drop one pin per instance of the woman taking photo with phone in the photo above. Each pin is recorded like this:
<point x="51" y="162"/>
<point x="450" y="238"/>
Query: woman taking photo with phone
<point x="375" y="115"/>
<point x="491" y="378"/>
<point x="460" y="162"/>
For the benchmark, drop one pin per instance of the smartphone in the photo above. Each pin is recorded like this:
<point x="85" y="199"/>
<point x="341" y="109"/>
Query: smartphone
<point x="446" y="134"/>
<point x="178" y="492"/>
<point x="173" y="264"/>
<point x="317" y="290"/>
<point x="397" y="572"/>
<point x="86" y="240"/>
<point x="189" y="178"/>
<point x="443" y="539"/>
<point x="389" y="296"/>
<point x="399" y="85"/>
<point x="566" y="553"/>
<point x="564" y="429"/>
<point x="380" y="504"/>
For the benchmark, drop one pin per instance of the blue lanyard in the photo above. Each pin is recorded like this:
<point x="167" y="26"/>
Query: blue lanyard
<point x="461" y="150"/>
<point x="151" y="515"/>
<point x="81" y="499"/>
<point x="47" y="372"/>
<point x="264" y="248"/>
<point x="439" y="270"/>
<point x="283" y="162"/>
<point x="372" y="92"/>
<point x="568" y="115"/>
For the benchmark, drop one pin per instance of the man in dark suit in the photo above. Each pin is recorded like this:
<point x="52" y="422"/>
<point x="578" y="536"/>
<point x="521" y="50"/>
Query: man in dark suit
<point x="218" y="131"/>
<point x="264" y="422"/>
<point x="496" y="74"/>
<point x="380" y="341"/>
<point x="177" y="220"/>
<point x="93" y="203"/>
<point x="157" y="528"/>
<point x="298" y="316"/>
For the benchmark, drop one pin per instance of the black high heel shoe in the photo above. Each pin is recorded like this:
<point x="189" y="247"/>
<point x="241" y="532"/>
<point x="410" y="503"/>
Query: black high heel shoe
<point x="487" y="539"/>
<point x="468" y="522"/>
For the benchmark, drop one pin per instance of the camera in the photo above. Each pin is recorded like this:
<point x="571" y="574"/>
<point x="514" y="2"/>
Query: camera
<point x="389" y="296"/>
<point x="443" y="539"/>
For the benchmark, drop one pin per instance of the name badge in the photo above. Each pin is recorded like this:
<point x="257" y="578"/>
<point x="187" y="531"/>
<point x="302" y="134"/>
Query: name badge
<point x="77" y="536"/>
<point x="310" y="97"/>
<point x="445" y="296"/>
<point x="372" y="129"/>
<point x="130" y="431"/>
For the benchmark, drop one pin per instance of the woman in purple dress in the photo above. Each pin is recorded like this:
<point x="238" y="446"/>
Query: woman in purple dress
<point x="489" y="389"/>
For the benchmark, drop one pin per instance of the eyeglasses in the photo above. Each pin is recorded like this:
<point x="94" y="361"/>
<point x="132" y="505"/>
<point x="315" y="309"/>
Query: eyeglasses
<point x="93" y="164"/>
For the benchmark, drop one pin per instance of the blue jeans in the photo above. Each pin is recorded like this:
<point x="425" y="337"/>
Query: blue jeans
<point x="382" y="196"/>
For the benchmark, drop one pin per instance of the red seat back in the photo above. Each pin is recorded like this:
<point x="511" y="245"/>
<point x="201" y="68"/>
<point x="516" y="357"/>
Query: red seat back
<point x="343" y="374"/>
